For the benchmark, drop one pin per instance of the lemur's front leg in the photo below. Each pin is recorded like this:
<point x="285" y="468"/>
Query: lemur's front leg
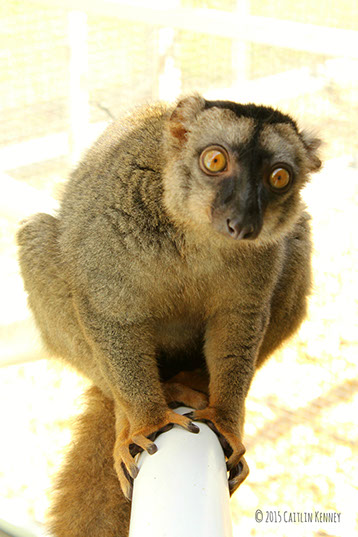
<point x="232" y="342"/>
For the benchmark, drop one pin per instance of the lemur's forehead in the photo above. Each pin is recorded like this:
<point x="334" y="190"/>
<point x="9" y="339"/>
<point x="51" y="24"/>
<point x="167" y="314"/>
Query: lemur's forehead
<point x="222" y="126"/>
<point x="280" y="140"/>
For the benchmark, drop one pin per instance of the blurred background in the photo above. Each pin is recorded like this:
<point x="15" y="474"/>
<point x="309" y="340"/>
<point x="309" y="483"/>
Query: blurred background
<point x="68" y="68"/>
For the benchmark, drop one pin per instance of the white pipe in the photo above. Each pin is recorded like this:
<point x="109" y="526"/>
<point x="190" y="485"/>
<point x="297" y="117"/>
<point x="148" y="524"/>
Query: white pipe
<point x="182" y="490"/>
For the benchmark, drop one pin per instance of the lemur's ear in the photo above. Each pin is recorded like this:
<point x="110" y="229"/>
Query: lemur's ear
<point x="183" y="115"/>
<point x="312" y="144"/>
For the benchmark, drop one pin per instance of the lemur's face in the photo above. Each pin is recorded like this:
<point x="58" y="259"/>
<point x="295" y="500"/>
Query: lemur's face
<point x="238" y="169"/>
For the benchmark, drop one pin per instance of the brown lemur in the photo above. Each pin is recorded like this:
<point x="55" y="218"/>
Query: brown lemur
<point x="181" y="244"/>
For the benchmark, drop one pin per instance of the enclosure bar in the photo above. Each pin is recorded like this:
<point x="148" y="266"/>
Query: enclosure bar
<point x="263" y="30"/>
<point x="78" y="81"/>
<point x="9" y="530"/>
<point x="182" y="489"/>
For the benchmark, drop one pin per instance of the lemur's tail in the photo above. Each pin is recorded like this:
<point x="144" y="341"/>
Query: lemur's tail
<point x="88" y="500"/>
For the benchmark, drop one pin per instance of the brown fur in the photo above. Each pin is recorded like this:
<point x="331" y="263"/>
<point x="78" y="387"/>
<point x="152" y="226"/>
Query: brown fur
<point x="139" y="276"/>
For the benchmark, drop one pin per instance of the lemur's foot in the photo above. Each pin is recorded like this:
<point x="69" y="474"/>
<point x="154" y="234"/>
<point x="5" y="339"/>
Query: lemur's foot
<point x="230" y="442"/>
<point x="176" y="393"/>
<point x="130" y="442"/>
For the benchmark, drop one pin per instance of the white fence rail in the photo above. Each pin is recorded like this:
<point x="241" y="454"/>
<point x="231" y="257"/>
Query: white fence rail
<point x="254" y="29"/>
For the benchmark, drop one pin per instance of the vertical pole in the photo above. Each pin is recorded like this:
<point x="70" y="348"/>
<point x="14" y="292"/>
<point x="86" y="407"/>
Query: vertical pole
<point x="78" y="83"/>
<point x="182" y="490"/>
<point x="239" y="47"/>
<point x="169" y="78"/>
<point x="167" y="83"/>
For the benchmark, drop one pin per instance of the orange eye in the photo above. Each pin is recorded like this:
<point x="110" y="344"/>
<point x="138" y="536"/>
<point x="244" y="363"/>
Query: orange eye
<point x="279" y="178"/>
<point x="213" y="160"/>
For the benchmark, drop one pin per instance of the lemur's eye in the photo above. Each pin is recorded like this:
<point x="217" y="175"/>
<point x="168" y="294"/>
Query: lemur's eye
<point x="213" y="160"/>
<point x="280" y="178"/>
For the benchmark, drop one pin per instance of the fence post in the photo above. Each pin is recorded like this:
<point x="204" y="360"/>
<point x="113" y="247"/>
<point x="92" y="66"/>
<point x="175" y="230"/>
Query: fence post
<point x="240" y="56"/>
<point x="182" y="489"/>
<point x="78" y="83"/>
